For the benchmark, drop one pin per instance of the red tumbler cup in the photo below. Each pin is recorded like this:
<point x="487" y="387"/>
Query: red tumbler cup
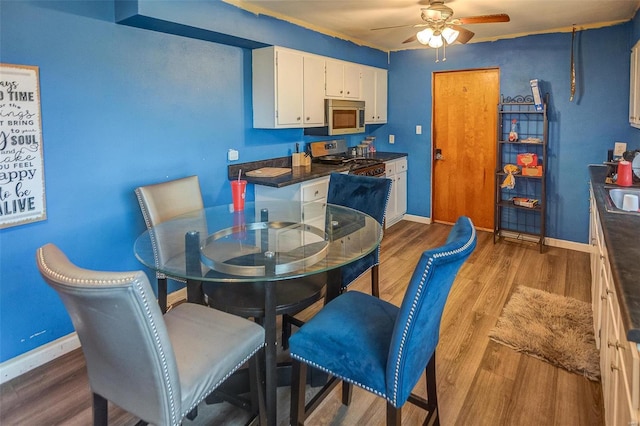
<point x="238" y="190"/>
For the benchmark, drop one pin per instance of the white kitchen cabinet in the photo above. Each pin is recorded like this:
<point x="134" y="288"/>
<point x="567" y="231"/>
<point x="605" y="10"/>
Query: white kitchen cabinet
<point x="396" y="170"/>
<point x="634" y="87"/>
<point x="619" y="358"/>
<point x="342" y="80"/>
<point x="374" y="94"/>
<point x="288" y="89"/>
<point x="313" y="90"/>
<point x="312" y="194"/>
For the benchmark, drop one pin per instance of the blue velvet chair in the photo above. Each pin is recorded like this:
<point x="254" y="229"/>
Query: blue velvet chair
<point x="368" y="195"/>
<point x="363" y="340"/>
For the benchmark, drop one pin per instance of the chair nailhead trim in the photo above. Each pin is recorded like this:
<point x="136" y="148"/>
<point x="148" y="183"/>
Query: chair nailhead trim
<point x="163" y="358"/>
<point x="394" y="399"/>
<point x="219" y="382"/>
<point x="319" y="367"/>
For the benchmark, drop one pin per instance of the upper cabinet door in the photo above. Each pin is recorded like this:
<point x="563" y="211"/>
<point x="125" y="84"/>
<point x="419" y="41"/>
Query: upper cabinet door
<point x="290" y="77"/>
<point x="374" y="94"/>
<point x="342" y="80"/>
<point x="351" y="81"/>
<point x="381" y="95"/>
<point x="313" y="91"/>
<point x="334" y="79"/>
<point x="634" y="88"/>
<point x="369" y="94"/>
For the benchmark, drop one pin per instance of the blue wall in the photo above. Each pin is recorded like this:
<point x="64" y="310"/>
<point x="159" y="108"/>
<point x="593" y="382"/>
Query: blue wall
<point x="580" y="132"/>
<point x="124" y="106"/>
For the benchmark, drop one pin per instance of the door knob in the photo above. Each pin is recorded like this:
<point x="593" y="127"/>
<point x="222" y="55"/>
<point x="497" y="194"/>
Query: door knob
<point x="439" y="155"/>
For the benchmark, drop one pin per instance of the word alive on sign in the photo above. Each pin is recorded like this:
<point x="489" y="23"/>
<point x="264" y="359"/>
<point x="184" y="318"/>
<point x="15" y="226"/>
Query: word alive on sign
<point x="20" y="205"/>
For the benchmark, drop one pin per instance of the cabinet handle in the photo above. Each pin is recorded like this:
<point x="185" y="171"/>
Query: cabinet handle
<point x="316" y="193"/>
<point x="298" y="119"/>
<point x="308" y="118"/>
<point x="341" y="92"/>
<point x="613" y="367"/>
<point x="348" y="92"/>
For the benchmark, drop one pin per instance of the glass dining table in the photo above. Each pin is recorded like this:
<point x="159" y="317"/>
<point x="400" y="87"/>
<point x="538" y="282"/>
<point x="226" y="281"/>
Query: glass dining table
<point x="266" y="243"/>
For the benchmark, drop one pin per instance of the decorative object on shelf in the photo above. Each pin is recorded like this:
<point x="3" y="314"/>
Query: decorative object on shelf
<point x="513" y="134"/>
<point x="509" y="181"/>
<point x="525" y="202"/>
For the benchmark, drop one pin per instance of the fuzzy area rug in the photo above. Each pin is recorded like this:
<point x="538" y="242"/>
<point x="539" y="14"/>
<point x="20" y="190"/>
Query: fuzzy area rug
<point x="553" y="328"/>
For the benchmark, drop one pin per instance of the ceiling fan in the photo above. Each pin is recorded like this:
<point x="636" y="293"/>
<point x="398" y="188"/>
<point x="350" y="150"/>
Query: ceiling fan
<point x="440" y="27"/>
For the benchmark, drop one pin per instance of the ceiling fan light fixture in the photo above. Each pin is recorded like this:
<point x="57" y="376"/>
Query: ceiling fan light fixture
<point x="436" y="41"/>
<point x="450" y="35"/>
<point x="425" y="35"/>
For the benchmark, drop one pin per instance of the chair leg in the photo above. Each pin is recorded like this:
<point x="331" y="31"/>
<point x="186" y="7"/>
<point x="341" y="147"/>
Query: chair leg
<point x="286" y="331"/>
<point x="346" y="392"/>
<point x="100" y="411"/>
<point x="432" y="393"/>
<point x="298" y="379"/>
<point x="257" y="384"/>
<point x="394" y="415"/>
<point x="162" y="294"/>
<point x="375" y="281"/>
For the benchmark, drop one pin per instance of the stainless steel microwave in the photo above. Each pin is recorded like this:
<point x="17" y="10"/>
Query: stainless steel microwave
<point x="342" y="117"/>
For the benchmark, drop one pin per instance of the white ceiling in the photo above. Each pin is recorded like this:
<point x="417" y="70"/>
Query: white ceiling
<point x="354" y="19"/>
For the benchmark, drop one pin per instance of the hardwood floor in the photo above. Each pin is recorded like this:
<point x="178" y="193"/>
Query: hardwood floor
<point x="480" y="382"/>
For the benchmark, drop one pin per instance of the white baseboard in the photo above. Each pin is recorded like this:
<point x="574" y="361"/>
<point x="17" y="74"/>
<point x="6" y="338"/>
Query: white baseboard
<point x="419" y="219"/>
<point x="21" y="364"/>
<point x="28" y="361"/>
<point x="551" y="242"/>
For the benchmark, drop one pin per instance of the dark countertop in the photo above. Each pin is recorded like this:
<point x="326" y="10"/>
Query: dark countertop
<point x="621" y="235"/>
<point x="298" y="174"/>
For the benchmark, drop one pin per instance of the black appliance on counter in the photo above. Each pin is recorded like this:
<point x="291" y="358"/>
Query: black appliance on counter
<point x="335" y="152"/>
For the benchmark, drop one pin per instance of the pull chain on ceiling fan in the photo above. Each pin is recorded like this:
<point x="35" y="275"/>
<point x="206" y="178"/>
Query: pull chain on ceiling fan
<point x="442" y="29"/>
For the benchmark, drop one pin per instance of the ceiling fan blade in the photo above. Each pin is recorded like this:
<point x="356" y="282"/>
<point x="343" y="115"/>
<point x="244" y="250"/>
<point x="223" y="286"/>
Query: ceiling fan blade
<point x="410" y="39"/>
<point x="399" y="26"/>
<point x="465" y="35"/>
<point x="483" y="19"/>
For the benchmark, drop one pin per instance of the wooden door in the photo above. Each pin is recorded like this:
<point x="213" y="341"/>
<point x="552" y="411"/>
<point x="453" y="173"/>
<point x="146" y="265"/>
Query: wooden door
<point x="464" y="134"/>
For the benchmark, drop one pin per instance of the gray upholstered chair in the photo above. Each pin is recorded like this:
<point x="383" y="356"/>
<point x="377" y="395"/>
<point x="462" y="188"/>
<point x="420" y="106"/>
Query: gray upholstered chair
<point x="363" y="340"/>
<point x="162" y="201"/>
<point x="157" y="367"/>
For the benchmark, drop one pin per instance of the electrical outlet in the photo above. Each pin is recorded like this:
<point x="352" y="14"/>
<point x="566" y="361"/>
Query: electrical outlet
<point x="232" y="155"/>
<point x="392" y="139"/>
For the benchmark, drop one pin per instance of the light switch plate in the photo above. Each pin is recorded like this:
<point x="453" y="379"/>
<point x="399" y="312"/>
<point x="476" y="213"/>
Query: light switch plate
<point x="392" y="139"/>
<point x="418" y="129"/>
<point x="232" y="155"/>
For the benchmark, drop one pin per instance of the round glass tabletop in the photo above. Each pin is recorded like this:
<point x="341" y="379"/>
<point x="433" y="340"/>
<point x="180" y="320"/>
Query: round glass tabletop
<point x="266" y="241"/>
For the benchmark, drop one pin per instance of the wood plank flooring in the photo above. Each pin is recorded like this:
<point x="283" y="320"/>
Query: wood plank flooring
<point x="480" y="382"/>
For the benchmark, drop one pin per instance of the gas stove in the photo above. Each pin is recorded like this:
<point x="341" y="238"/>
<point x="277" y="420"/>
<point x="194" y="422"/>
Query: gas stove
<point x="335" y="152"/>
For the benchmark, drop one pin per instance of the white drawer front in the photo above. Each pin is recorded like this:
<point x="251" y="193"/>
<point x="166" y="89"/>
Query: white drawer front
<point x="315" y="191"/>
<point x="401" y="165"/>
<point x="390" y="168"/>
